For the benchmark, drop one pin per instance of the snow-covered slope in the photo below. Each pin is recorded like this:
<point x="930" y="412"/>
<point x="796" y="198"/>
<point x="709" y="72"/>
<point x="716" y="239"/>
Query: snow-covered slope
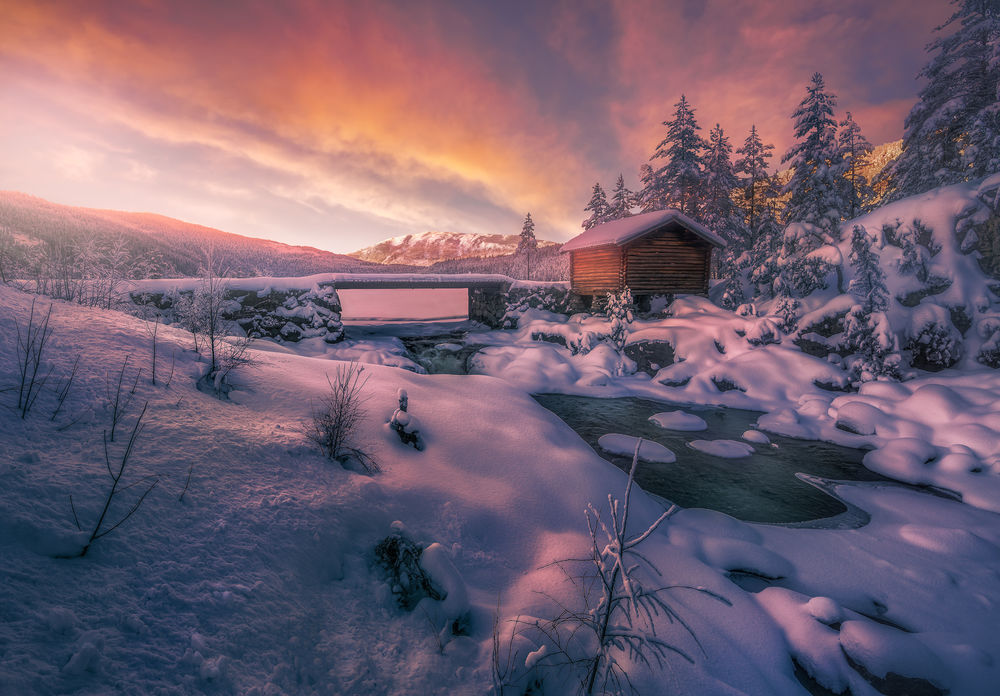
<point x="169" y="246"/>
<point x="249" y="568"/>
<point x="427" y="248"/>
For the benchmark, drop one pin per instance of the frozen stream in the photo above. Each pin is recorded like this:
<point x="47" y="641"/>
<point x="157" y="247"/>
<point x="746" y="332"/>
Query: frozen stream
<point x="760" y="488"/>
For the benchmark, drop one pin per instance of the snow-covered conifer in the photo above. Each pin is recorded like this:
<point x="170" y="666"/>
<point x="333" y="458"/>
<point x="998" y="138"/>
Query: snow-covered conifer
<point x="868" y="284"/>
<point x="681" y="179"/>
<point x="757" y="185"/>
<point x="853" y="154"/>
<point x="622" y="201"/>
<point x="952" y="133"/>
<point x="650" y="196"/>
<point x="598" y="208"/>
<point x="719" y="213"/>
<point x="527" y="243"/>
<point x="874" y="346"/>
<point x="620" y="314"/>
<point x="815" y="195"/>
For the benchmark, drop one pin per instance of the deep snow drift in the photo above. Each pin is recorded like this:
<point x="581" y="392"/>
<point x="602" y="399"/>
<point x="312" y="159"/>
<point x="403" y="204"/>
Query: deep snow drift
<point x="262" y="579"/>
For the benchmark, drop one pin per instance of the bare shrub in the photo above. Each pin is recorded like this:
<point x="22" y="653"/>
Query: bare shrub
<point x="116" y="473"/>
<point x="336" y="416"/>
<point x="119" y="402"/>
<point x="31" y="343"/>
<point x="617" y="616"/>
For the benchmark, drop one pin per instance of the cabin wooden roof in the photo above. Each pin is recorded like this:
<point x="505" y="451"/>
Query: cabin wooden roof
<point x="621" y="232"/>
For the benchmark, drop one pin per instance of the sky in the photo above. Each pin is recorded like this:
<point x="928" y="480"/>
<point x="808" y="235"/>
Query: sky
<point x="339" y="124"/>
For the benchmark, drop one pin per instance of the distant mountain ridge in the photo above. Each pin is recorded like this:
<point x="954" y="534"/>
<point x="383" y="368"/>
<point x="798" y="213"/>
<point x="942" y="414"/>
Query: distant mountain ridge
<point x="428" y="248"/>
<point x="172" y="247"/>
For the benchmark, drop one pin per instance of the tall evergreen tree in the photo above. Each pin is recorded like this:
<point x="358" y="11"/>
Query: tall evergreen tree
<point x="952" y="134"/>
<point x="681" y="179"/>
<point x="598" y="207"/>
<point x="868" y="285"/>
<point x="527" y="243"/>
<point x="719" y="212"/>
<point x="756" y="182"/>
<point x="816" y="196"/>
<point x="650" y="196"/>
<point x="853" y="154"/>
<point x="622" y="201"/>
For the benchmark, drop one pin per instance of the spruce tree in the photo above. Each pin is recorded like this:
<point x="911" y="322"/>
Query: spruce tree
<point x="952" y="134"/>
<point x="598" y="208"/>
<point x="681" y="179"/>
<point x="650" y="196"/>
<point x="756" y="183"/>
<point x="622" y="201"/>
<point x="719" y="212"/>
<point x="868" y="284"/>
<point x="816" y="196"/>
<point x="527" y="243"/>
<point x="853" y="155"/>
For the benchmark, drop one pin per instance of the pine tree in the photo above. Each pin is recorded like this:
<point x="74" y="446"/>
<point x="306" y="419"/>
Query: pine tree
<point x="622" y="201"/>
<point x="598" y="208"/>
<point x="952" y="134"/>
<point x="816" y="197"/>
<point x="756" y="184"/>
<point x="853" y="155"/>
<point x="527" y="243"/>
<point x="681" y="179"/>
<point x="719" y="212"/>
<point x="650" y="196"/>
<point x="868" y="285"/>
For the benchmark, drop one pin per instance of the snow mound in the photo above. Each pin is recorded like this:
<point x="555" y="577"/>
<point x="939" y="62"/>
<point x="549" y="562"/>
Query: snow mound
<point x="725" y="449"/>
<point x="649" y="451"/>
<point x="679" y="420"/>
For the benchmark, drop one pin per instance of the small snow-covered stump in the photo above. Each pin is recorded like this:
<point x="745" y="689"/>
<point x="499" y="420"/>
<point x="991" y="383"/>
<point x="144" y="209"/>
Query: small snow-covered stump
<point x="406" y="425"/>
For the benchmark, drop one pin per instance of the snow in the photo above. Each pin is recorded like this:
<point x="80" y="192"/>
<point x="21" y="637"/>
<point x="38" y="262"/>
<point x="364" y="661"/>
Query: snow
<point x="678" y="420"/>
<point x="649" y="451"/>
<point x="260" y="580"/>
<point x="623" y="231"/>
<point x="726" y="449"/>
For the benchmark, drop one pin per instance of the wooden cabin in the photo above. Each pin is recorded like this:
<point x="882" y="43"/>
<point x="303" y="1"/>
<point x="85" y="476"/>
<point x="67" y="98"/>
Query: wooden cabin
<point x="662" y="252"/>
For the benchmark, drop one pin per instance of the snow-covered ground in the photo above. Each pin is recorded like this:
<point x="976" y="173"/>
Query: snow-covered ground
<point x="262" y="579"/>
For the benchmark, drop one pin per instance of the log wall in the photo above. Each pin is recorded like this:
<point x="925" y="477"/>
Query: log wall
<point x="668" y="261"/>
<point x="596" y="271"/>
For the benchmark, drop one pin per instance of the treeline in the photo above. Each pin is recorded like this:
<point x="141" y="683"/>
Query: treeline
<point x="951" y="135"/>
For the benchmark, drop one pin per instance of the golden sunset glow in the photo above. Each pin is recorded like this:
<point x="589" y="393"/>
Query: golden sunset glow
<point x="339" y="124"/>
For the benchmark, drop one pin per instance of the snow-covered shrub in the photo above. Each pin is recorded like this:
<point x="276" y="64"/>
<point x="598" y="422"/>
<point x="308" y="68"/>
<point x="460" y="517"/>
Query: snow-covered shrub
<point x="763" y="331"/>
<point x="785" y="313"/>
<point x="933" y="340"/>
<point x="873" y="346"/>
<point x="405" y="425"/>
<point x="550" y="298"/>
<point x="399" y="558"/>
<point x="619" y="311"/>
<point x="337" y="415"/>
<point x="747" y="309"/>
<point x="989" y="351"/>
<point x="623" y="593"/>
<point x="802" y="276"/>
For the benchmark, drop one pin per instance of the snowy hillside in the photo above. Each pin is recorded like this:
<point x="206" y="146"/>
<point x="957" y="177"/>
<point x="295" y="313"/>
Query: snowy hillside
<point x="165" y="246"/>
<point x="427" y="248"/>
<point x="250" y="567"/>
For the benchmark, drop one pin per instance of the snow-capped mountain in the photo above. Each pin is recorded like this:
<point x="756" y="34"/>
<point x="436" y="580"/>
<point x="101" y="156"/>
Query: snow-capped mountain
<point x="427" y="248"/>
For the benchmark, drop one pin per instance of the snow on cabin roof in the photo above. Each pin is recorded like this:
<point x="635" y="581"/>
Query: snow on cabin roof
<point x="620" y="232"/>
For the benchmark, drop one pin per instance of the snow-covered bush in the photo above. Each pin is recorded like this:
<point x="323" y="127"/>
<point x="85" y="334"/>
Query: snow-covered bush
<point x="404" y="424"/>
<point x="551" y="298"/>
<point x="620" y="314"/>
<point x="337" y="415"/>
<point x="785" y="313"/>
<point x="873" y="346"/>
<point x="399" y="558"/>
<point x="933" y="340"/>
<point x="622" y="594"/>
<point x="989" y="351"/>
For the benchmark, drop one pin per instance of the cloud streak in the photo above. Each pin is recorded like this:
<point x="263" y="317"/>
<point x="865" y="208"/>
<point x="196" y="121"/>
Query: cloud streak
<point x="341" y="123"/>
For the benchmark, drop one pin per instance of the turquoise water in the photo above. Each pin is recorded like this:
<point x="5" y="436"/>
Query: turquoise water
<point x="760" y="488"/>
